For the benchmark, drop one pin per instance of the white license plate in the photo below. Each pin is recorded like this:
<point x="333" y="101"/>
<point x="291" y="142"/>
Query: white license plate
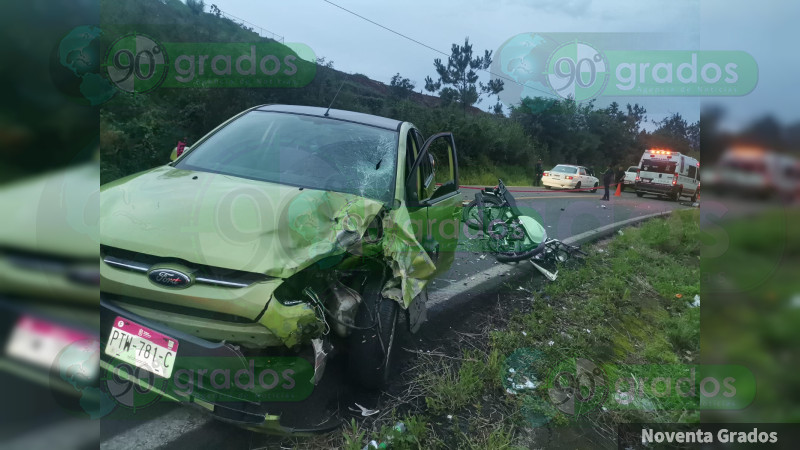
<point x="142" y="347"/>
<point x="39" y="342"/>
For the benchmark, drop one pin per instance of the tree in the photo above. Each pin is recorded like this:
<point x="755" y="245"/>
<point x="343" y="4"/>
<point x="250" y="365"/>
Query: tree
<point x="197" y="6"/>
<point x="675" y="133"/>
<point x="400" y="87"/>
<point x="458" y="80"/>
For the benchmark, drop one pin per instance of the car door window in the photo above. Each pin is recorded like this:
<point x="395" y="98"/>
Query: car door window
<point x="436" y="170"/>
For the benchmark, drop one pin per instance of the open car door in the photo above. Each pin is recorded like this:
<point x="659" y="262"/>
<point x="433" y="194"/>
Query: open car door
<point x="432" y="184"/>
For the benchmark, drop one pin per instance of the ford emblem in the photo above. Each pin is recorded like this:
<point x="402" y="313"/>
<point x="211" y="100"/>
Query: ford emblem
<point x="169" y="278"/>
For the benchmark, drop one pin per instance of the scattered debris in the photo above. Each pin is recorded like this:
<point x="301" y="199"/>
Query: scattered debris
<point x="603" y="206"/>
<point x="482" y="257"/>
<point x="449" y="417"/>
<point x="588" y="330"/>
<point x="678" y="295"/>
<point x="550" y="343"/>
<point x="696" y="302"/>
<point x="364" y="411"/>
<point x="524" y="290"/>
<point x="524" y="333"/>
<point x="619" y="232"/>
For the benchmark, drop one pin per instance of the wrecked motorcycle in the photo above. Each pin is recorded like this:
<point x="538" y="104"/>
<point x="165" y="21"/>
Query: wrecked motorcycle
<point x="513" y="236"/>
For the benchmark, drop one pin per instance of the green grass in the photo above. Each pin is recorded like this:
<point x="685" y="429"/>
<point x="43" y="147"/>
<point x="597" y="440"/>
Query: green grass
<point x="449" y="386"/>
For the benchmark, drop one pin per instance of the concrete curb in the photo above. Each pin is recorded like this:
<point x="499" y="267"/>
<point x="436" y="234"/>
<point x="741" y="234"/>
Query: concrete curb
<point x="606" y="230"/>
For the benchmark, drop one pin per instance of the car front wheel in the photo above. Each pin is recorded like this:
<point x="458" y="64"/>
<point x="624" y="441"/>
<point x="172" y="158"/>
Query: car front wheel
<point x="595" y="188"/>
<point x="371" y="343"/>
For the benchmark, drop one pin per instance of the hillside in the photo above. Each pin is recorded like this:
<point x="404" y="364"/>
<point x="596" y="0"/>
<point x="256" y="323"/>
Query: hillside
<point x="139" y="131"/>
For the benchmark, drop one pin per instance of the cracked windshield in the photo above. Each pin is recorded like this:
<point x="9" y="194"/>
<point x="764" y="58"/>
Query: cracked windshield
<point x="303" y="151"/>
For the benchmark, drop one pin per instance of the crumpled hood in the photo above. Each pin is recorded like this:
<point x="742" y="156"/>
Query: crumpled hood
<point x="228" y="222"/>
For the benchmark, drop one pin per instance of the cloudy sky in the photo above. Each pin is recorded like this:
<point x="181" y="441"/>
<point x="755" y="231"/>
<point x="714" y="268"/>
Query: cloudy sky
<point x="358" y="46"/>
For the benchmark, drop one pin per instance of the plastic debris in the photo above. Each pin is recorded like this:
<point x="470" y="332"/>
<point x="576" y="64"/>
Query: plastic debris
<point x="482" y="257"/>
<point x="449" y="417"/>
<point x="550" y="343"/>
<point x="364" y="411"/>
<point x="603" y="206"/>
<point x="524" y="333"/>
<point x="619" y="232"/>
<point x="511" y="370"/>
<point x="696" y="302"/>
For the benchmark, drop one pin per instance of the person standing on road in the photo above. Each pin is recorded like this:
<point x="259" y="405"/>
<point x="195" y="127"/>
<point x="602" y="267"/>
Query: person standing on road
<point x="537" y="181"/>
<point x="608" y="176"/>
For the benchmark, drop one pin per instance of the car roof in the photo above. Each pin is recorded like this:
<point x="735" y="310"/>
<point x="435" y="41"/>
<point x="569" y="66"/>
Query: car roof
<point x="338" y="114"/>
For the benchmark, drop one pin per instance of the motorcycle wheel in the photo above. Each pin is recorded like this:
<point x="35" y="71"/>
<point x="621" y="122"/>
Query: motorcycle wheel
<point x="519" y="254"/>
<point x="470" y="213"/>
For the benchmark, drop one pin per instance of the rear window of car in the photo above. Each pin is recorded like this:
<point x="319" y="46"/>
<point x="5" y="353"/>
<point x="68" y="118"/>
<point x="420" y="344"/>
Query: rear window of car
<point x="564" y="169"/>
<point x="632" y="169"/>
<point x="658" y="166"/>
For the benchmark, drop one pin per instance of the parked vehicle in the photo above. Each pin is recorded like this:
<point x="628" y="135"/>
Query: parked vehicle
<point x="630" y="176"/>
<point x="755" y="172"/>
<point x="285" y="231"/>
<point x="567" y="176"/>
<point x="667" y="173"/>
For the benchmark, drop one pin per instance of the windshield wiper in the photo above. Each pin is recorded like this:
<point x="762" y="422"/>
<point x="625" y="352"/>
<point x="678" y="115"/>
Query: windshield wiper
<point x="378" y="166"/>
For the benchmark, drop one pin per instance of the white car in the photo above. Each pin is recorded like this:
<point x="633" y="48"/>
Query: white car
<point x="566" y="176"/>
<point x="630" y="175"/>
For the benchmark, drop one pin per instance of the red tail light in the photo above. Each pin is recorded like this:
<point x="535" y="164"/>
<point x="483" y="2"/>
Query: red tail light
<point x="637" y="174"/>
<point x="546" y="173"/>
<point x="675" y="180"/>
<point x="569" y="178"/>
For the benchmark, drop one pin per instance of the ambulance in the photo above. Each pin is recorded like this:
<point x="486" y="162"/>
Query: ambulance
<point x="667" y="173"/>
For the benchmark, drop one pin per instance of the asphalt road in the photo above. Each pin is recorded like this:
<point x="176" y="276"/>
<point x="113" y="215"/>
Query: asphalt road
<point x="564" y="214"/>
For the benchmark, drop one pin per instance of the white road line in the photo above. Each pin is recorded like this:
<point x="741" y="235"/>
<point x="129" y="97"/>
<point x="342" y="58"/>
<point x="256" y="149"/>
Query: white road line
<point x="159" y="431"/>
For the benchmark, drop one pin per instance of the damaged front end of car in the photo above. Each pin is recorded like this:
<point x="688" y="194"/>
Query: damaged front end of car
<point x="335" y="253"/>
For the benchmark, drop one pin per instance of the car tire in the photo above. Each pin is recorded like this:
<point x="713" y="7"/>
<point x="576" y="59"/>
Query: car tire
<point x="694" y="197"/>
<point x="677" y="196"/>
<point x="577" y="185"/>
<point x="639" y="194"/>
<point x="595" y="188"/>
<point x="369" y="364"/>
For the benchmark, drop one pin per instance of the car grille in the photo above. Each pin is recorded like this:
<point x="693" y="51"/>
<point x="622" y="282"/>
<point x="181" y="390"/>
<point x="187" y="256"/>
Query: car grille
<point x="78" y="271"/>
<point x="203" y="274"/>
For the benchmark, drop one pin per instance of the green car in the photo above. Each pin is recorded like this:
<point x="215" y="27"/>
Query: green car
<point x="287" y="231"/>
